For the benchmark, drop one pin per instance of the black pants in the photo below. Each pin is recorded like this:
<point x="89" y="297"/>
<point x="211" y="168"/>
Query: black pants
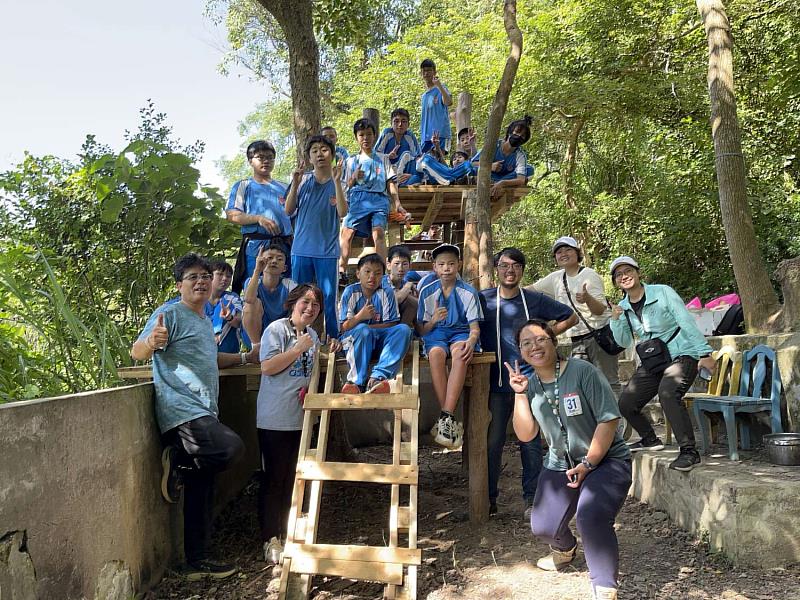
<point x="279" y="451"/>
<point x="205" y="448"/>
<point x="671" y="386"/>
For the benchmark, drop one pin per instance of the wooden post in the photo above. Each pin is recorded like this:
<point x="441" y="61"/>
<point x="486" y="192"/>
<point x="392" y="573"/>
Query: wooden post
<point x="477" y="427"/>
<point x="463" y="111"/>
<point x="373" y="115"/>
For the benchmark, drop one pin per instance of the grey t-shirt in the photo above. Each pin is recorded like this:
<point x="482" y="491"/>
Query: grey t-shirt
<point x="185" y="373"/>
<point x="278" y="406"/>
<point x="585" y="400"/>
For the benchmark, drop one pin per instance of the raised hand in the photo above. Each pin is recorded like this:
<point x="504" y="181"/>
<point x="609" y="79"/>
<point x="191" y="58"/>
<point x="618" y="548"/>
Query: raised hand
<point x="261" y="261"/>
<point x="159" y="336"/>
<point x="517" y="381"/>
<point x="297" y="174"/>
<point x="440" y="314"/>
<point x="337" y="171"/>
<point x="393" y="154"/>
<point x="226" y="310"/>
<point x="304" y="342"/>
<point x="581" y="296"/>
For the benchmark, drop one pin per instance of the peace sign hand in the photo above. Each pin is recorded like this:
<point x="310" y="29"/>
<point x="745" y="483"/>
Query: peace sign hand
<point x="226" y="310"/>
<point x="297" y="174"/>
<point x="517" y="381"/>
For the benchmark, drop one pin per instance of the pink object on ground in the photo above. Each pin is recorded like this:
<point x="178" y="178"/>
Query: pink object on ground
<point x="727" y="299"/>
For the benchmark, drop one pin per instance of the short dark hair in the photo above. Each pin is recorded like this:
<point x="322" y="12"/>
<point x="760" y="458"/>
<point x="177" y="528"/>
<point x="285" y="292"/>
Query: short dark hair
<point x="462" y="131"/>
<point x="187" y="261"/>
<point x="275" y="244"/>
<point x="319" y="139"/>
<point x="402" y="112"/>
<point x="538" y="323"/>
<point x="457" y="153"/>
<point x="427" y="64"/>
<point x="373" y="258"/>
<point x="331" y="127"/>
<point x="400" y="250"/>
<point x="220" y="264"/>
<point x="300" y="291"/>
<point x="514" y="254"/>
<point x="524" y="122"/>
<point x="363" y="125"/>
<point x="259" y="146"/>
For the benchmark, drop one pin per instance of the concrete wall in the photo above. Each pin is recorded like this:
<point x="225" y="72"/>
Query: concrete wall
<point x="80" y="476"/>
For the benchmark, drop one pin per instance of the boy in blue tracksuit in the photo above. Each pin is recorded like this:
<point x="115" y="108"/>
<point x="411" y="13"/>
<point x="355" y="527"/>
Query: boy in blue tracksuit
<point x="370" y="326"/>
<point x="316" y="201"/>
<point x="448" y="318"/>
<point x="256" y="204"/>
<point x="340" y="153"/>
<point x="225" y="308"/>
<point x="400" y="144"/>
<point x="510" y="164"/>
<point x="369" y="184"/>
<point x="435" y="113"/>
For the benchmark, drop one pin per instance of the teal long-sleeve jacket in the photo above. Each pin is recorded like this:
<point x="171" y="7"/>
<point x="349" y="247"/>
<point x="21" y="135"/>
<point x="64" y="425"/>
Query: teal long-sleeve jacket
<point x="662" y="312"/>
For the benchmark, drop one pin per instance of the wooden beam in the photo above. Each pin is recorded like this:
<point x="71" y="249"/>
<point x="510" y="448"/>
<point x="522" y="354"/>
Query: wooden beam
<point x="433" y="210"/>
<point x="360" y="401"/>
<point x="376" y="554"/>
<point x="358" y="472"/>
<point x="350" y="569"/>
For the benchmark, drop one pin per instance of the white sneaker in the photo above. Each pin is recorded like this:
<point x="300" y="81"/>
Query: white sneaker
<point x="603" y="593"/>
<point x="557" y="559"/>
<point x="450" y="433"/>
<point x="273" y="551"/>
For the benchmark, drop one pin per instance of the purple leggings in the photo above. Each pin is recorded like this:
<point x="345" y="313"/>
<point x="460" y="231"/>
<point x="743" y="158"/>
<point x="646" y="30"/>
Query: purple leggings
<point x="595" y="506"/>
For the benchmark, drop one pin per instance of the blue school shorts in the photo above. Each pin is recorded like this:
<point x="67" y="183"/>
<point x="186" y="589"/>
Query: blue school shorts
<point x="444" y="337"/>
<point x="364" y="224"/>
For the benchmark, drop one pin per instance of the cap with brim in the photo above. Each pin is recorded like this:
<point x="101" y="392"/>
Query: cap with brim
<point x="446" y="248"/>
<point x="565" y="240"/>
<point x="623" y="260"/>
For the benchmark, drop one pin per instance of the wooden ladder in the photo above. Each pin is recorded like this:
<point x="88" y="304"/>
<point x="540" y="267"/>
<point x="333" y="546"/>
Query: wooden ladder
<point x="392" y="565"/>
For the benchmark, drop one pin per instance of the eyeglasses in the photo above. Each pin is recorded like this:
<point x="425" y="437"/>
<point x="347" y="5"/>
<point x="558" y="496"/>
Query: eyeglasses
<point x="619" y="273"/>
<point x="264" y="157"/>
<point x="503" y="267"/>
<point x="537" y="341"/>
<point x="196" y="276"/>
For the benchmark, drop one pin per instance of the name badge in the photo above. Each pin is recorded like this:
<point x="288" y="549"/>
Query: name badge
<point x="572" y="405"/>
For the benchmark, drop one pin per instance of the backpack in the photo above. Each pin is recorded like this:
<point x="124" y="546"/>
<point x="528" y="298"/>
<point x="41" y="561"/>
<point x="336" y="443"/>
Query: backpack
<point x="732" y="322"/>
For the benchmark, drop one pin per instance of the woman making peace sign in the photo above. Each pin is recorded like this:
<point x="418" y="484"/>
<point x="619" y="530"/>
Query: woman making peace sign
<point x="587" y="471"/>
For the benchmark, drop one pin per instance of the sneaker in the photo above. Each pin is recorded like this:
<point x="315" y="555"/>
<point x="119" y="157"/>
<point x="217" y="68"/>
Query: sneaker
<point x="654" y="444"/>
<point x="604" y="593"/>
<point x="351" y="388"/>
<point x="199" y="569"/>
<point x="273" y="551"/>
<point x="450" y="433"/>
<point x="528" y="510"/>
<point x="492" y="508"/>
<point x="378" y="385"/>
<point x="171" y="481"/>
<point x="686" y="460"/>
<point x="557" y="559"/>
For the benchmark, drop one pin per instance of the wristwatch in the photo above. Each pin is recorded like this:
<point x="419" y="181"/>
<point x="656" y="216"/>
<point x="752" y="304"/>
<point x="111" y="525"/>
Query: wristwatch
<point x="585" y="462"/>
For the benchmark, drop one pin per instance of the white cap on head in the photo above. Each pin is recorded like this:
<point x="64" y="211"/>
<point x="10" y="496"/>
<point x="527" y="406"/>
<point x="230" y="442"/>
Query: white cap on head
<point x="566" y="240"/>
<point x="623" y="260"/>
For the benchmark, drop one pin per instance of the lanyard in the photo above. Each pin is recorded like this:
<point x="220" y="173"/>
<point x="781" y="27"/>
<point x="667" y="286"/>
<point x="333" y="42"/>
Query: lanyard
<point x="554" y="405"/>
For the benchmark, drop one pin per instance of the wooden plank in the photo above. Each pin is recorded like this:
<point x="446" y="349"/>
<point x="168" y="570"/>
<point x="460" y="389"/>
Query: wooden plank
<point x="404" y="518"/>
<point x="477" y="427"/>
<point x="359" y="401"/>
<point x="376" y="554"/>
<point x="407" y="453"/>
<point x="358" y="472"/>
<point x="433" y="210"/>
<point x="350" y="569"/>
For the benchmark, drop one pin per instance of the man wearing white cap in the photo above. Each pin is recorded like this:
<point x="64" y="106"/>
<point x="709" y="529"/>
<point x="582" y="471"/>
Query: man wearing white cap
<point x="581" y="288"/>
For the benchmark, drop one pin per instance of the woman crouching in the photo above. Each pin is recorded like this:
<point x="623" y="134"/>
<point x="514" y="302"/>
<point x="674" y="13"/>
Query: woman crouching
<point x="587" y="471"/>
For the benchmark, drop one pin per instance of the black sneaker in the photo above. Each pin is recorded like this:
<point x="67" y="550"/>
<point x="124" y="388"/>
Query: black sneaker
<point x="171" y="481"/>
<point x="199" y="569"/>
<point x="686" y="461"/>
<point x="655" y="444"/>
<point x="492" y="508"/>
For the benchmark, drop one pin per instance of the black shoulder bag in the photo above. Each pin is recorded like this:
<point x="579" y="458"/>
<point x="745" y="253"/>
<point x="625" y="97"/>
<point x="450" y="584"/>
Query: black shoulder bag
<point x="604" y="336"/>
<point x="653" y="352"/>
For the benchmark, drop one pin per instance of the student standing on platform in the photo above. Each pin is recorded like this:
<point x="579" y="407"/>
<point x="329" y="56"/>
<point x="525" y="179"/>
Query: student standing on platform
<point x="316" y="200"/>
<point x="448" y="319"/>
<point x="370" y="326"/>
<point x="510" y="164"/>
<point x="405" y="290"/>
<point x="657" y="312"/>
<point x="288" y="349"/>
<point x="179" y="338"/>
<point x="257" y="205"/>
<point x="506" y="308"/>
<point x="582" y="288"/>
<point x="369" y="186"/>
<point x="340" y="153"/>
<point x="435" y="115"/>
<point x="266" y="290"/>
<point x="587" y="471"/>
<point x="400" y="144"/>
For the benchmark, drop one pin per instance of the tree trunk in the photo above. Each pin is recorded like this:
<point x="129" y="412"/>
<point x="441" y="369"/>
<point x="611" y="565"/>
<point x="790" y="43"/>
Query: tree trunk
<point x="478" y="263"/>
<point x="788" y="275"/>
<point x="570" y="161"/>
<point x="295" y="19"/>
<point x="758" y="298"/>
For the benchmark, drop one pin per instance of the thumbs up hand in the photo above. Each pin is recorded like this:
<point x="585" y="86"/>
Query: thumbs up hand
<point x="159" y="337"/>
<point x="581" y="296"/>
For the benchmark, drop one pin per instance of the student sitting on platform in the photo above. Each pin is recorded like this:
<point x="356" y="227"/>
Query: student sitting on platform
<point x="226" y="310"/>
<point x="288" y="348"/>
<point x="510" y="164"/>
<point x="400" y="144"/>
<point x="340" y="153"/>
<point x="466" y="141"/>
<point x="370" y="326"/>
<point x="179" y="338"/>
<point x="459" y="158"/>
<point x="405" y="290"/>
<point x="266" y="290"/>
<point x="369" y="184"/>
<point x="316" y="200"/>
<point x="257" y="205"/>
<point x="448" y="317"/>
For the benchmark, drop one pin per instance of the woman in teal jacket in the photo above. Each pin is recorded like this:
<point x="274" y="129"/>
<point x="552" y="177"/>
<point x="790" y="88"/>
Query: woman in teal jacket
<point x="656" y="311"/>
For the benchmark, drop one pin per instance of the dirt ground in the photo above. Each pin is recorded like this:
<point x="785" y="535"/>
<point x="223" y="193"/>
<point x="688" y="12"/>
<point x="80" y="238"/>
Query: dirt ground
<point x="657" y="560"/>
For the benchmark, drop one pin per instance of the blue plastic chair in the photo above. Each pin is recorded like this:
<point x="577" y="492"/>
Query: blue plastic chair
<point x="759" y="394"/>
